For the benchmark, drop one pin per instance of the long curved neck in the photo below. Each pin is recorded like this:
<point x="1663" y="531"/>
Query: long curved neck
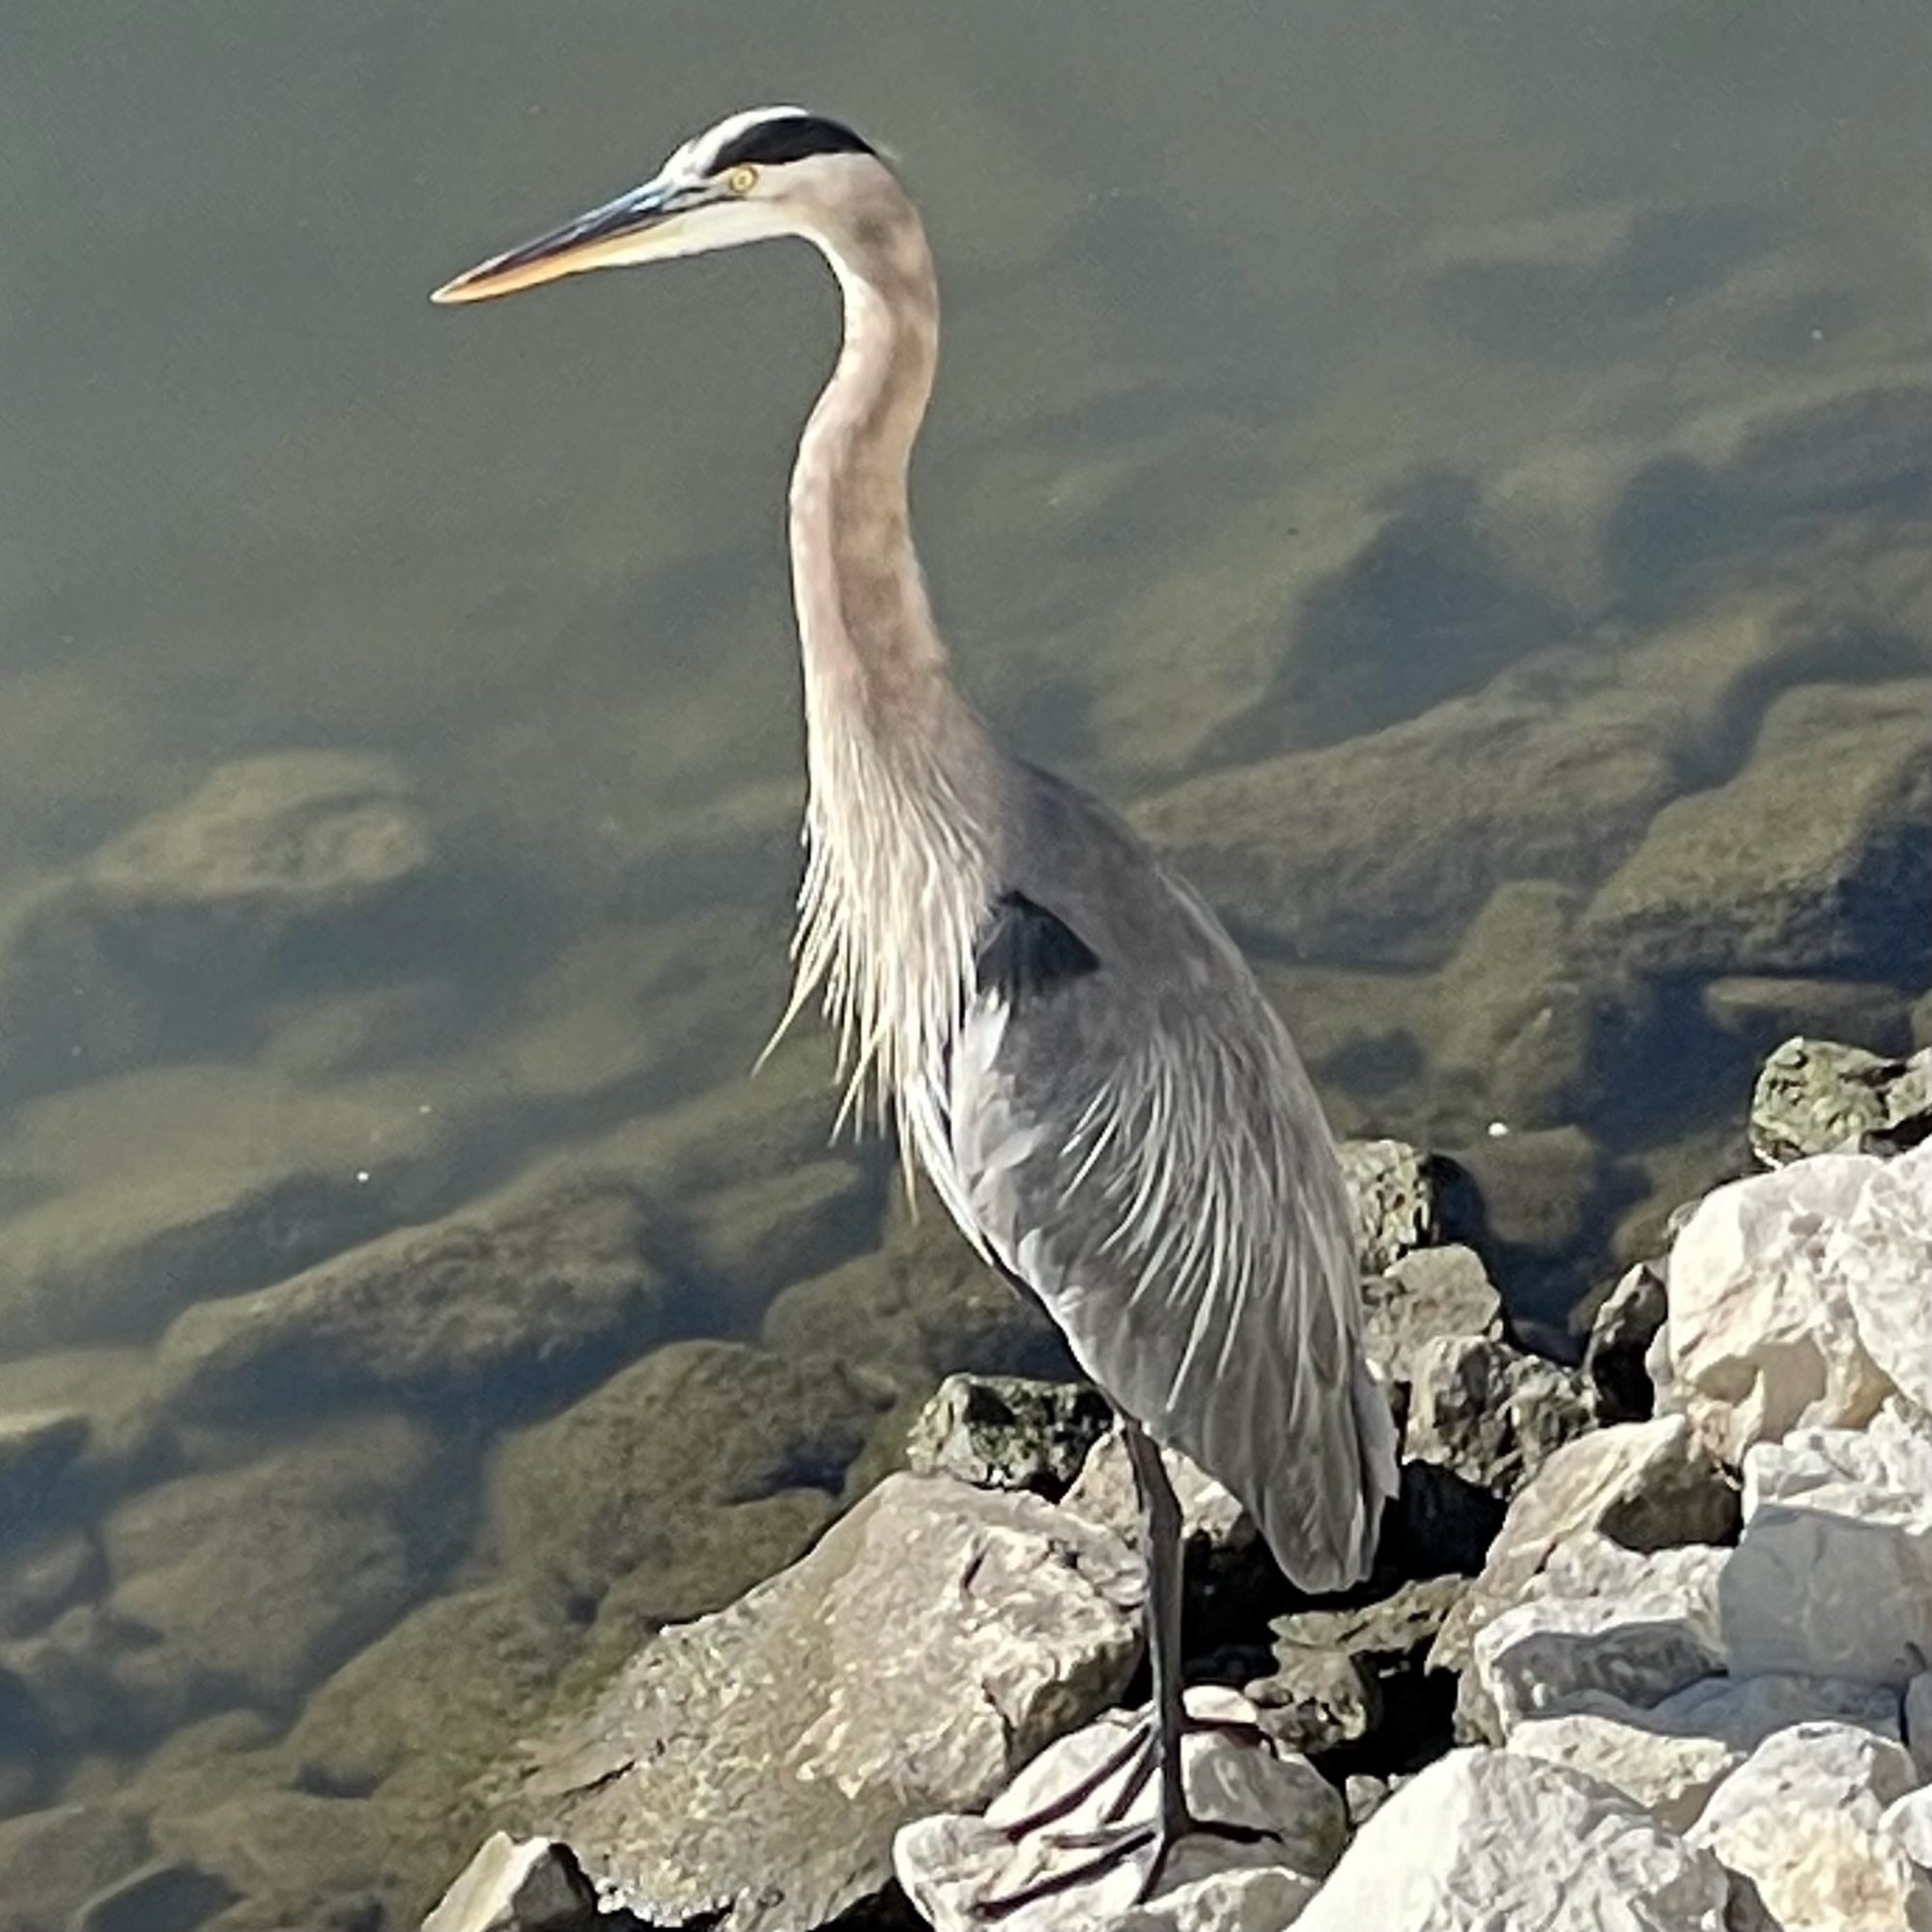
<point x="872" y="657"/>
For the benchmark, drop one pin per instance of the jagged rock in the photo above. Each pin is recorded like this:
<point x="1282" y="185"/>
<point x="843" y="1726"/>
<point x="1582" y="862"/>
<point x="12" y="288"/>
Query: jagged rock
<point x="1638" y="1647"/>
<point x="1392" y="1187"/>
<point x="1212" y="1521"/>
<point x="1364" y="1795"/>
<point x="1818" y="1097"/>
<point x="607" y="1498"/>
<point x="1797" y="1297"/>
<point x="1670" y="1757"/>
<point x="1432" y="1292"/>
<point x="1645" y="1485"/>
<point x="954" y="1866"/>
<point x="1832" y="1574"/>
<point x="1626" y="1322"/>
<point x="1802" y="1819"/>
<point x="51" y="1861"/>
<point x="523" y="1282"/>
<point x="1793" y="863"/>
<point x="532" y="1885"/>
<point x="1489" y="1412"/>
<point x="1483" y="1839"/>
<point x="755" y="1764"/>
<point x="315" y="1548"/>
<point x="1008" y="1431"/>
<point x="264" y="847"/>
<point x="1336" y="1671"/>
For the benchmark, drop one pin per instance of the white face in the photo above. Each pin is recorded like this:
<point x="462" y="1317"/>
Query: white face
<point x="754" y="177"/>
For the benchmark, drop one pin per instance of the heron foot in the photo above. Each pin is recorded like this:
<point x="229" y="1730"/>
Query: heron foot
<point x="1112" y="1845"/>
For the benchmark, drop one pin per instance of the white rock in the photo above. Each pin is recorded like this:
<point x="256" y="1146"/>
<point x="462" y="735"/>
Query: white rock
<point x="1104" y="1493"/>
<point x="1919" y="1724"/>
<point x="952" y="1865"/>
<point x="1798" y="1298"/>
<point x="1909" y="1820"/>
<point x="513" y="1884"/>
<point x="1802" y="1818"/>
<point x="1539" y="1656"/>
<point x="1670" y="1757"/>
<point x="1642" y="1485"/>
<point x="1832" y="1576"/>
<point x="1492" y="1841"/>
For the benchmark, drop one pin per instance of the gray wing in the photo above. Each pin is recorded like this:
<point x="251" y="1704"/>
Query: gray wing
<point x="1132" y="1133"/>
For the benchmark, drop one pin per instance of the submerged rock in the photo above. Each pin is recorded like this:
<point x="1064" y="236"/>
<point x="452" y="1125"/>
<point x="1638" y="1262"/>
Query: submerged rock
<point x="1483" y="1839"/>
<point x="1818" y="1097"/>
<point x="1008" y="1431"/>
<point x="955" y="1868"/>
<point x="1797" y="1297"/>
<point x="755" y="1765"/>
<point x="51" y="1862"/>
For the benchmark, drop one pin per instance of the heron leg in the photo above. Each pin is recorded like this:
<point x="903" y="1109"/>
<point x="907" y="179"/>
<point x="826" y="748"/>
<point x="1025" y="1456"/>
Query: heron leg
<point x="1152" y="1750"/>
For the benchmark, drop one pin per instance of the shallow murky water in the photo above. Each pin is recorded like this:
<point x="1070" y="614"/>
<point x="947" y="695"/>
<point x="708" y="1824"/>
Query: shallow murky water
<point x="1456" y="473"/>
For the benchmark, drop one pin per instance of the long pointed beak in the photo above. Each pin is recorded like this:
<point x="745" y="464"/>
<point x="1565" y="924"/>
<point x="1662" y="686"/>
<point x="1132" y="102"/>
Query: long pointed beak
<point x="603" y="235"/>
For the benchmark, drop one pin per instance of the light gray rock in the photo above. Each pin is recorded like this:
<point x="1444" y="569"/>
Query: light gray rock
<point x="529" y="1885"/>
<point x="1645" y="1485"/>
<point x="1393" y="1191"/>
<point x="1637" y="1647"/>
<point x="1212" y="1521"/>
<point x="1832" y="1574"/>
<point x="1803" y="1817"/>
<point x="1797" y="1295"/>
<point x="1490" y="1413"/>
<point x="1258" y="1899"/>
<point x="1483" y="1841"/>
<point x="1908" y="1820"/>
<point x="1430" y="1292"/>
<point x="1820" y="1096"/>
<point x="756" y="1764"/>
<point x="1008" y="1431"/>
<point x="954" y="1866"/>
<point x="1626" y="1322"/>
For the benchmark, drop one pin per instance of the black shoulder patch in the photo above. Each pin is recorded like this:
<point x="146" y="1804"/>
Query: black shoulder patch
<point x="788" y="137"/>
<point x="1026" y="951"/>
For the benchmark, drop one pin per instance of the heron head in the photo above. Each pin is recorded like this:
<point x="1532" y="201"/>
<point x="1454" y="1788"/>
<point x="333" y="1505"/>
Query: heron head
<point x="766" y="172"/>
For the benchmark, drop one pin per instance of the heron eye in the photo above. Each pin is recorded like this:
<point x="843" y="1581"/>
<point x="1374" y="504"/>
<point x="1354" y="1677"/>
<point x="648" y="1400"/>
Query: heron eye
<point x="742" y="180"/>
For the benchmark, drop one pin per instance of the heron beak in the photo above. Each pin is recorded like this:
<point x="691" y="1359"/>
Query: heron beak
<point x="604" y="235"/>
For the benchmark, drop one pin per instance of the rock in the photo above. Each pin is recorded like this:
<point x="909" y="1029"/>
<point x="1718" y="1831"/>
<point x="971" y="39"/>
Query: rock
<point x="1796" y="1297"/>
<point x="1797" y="861"/>
<point x="954" y="1867"/>
<point x="38" y="1446"/>
<point x="1832" y="1574"/>
<point x="1624" y="1324"/>
<point x="756" y="1764"/>
<point x="1483" y="1839"/>
<point x="264" y="848"/>
<point x="315" y="1548"/>
<point x="1393" y="1191"/>
<point x="51" y="1861"/>
<point x="112" y="1388"/>
<point x="1908" y="1821"/>
<point x="1340" y="1673"/>
<point x="923" y="1307"/>
<point x="1645" y="1485"/>
<point x="1541" y="1656"/>
<point x="1432" y="1292"/>
<point x="1364" y="1796"/>
<point x="1540" y="1191"/>
<point x="529" y="1282"/>
<point x="45" y="1576"/>
<point x="1251" y="1899"/>
<point x="611" y="1489"/>
<point x="535" y="1884"/>
<point x="1817" y="1097"/>
<point x="1802" y="1819"/>
<point x="1761" y="1008"/>
<point x="169" y="1892"/>
<point x="762" y="1235"/>
<point x="1490" y="1413"/>
<point x="161" y="1188"/>
<point x="1917" y="1716"/>
<point x="1670" y="1757"/>
<point x="1212" y="1521"/>
<point x="1008" y="1431"/>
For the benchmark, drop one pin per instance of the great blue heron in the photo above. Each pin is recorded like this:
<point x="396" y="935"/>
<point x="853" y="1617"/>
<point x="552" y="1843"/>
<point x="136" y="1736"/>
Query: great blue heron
<point x="1076" y="1053"/>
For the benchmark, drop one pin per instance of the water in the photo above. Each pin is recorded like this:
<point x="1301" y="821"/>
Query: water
<point x="1307" y="373"/>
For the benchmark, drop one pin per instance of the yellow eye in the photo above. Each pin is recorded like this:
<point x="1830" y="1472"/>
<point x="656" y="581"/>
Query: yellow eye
<point x="742" y="180"/>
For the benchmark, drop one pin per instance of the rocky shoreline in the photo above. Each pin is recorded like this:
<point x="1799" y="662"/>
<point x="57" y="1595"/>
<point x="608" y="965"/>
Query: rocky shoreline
<point x="1649" y="1643"/>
